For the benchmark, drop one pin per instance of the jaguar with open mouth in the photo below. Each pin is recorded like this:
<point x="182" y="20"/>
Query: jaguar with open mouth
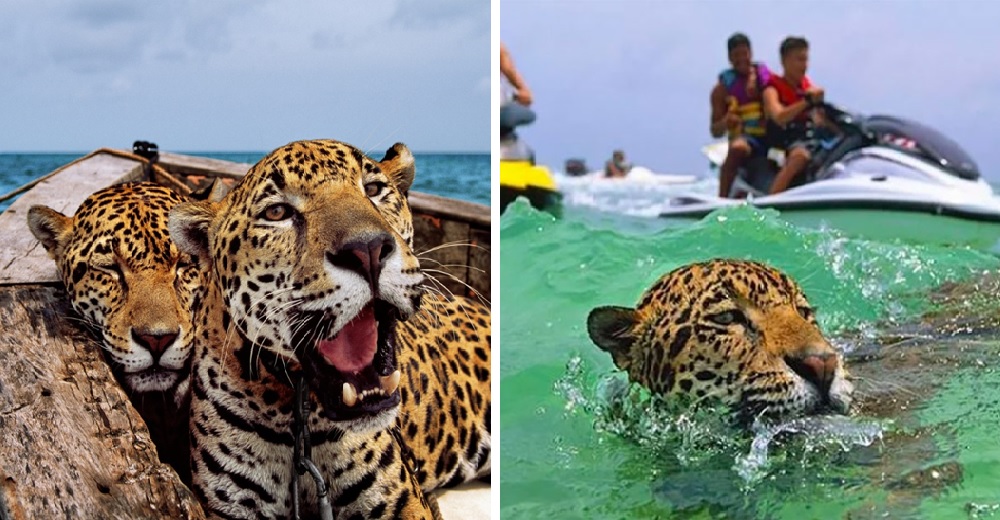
<point x="311" y="274"/>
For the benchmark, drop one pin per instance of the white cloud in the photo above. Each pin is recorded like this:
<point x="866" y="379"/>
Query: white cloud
<point x="243" y="74"/>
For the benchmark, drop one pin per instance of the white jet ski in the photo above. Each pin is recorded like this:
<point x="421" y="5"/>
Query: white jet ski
<point x="877" y="163"/>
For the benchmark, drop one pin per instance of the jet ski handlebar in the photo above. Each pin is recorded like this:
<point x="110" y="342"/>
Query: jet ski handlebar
<point x="837" y="114"/>
<point x="847" y="121"/>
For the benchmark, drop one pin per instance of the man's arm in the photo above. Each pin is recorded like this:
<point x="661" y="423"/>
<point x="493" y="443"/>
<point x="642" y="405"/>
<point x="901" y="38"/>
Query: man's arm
<point x="779" y="113"/>
<point x="717" y="124"/>
<point x="522" y="94"/>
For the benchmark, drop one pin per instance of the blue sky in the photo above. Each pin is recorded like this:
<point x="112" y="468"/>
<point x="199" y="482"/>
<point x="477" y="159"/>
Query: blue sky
<point x="244" y="74"/>
<point x="637" y="74"/>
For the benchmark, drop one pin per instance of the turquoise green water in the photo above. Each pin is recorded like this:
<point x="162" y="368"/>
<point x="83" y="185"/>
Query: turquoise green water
<point x="577" y="442"/>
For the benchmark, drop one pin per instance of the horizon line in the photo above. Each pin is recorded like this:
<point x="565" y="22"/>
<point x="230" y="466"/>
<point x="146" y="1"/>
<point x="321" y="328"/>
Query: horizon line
<point x="182" y="152"/>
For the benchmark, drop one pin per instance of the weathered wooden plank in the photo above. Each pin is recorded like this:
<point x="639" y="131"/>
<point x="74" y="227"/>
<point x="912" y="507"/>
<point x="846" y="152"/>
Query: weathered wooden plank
<point x="479" y="261"/>
<point x="71" y="444"/>
<point x="452" y="209"/>
<point x="438" y="244"/>
<point x="190" y="165"/>
<point x="22" y="258"/>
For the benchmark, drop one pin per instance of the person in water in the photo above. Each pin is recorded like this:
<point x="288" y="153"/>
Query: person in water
<point x="617" y="166"/>
<point x="736" y="109"/>
<point x="790" y="102"/>
<point x="514" y="109"/>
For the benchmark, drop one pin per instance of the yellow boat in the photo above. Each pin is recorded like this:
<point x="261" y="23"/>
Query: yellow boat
<point x="522" y="178"/>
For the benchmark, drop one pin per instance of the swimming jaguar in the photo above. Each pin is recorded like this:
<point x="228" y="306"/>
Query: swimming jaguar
<point x="736" y="331"/>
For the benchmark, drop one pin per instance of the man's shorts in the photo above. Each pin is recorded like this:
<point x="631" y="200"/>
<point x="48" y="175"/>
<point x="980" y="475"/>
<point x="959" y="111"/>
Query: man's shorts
<point x="811" y="145"/>
<point x="757" y="146"/>
<point x="816" y="141"/>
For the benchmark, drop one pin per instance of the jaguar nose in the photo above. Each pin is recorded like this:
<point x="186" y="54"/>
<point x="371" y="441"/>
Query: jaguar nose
<point x="817" y="369"/>
<point x="155" y="343"/>
<point x="364" y="257"/>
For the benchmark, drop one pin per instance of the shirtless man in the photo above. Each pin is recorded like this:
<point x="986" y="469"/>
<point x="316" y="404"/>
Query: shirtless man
<point x="514" y="112"/>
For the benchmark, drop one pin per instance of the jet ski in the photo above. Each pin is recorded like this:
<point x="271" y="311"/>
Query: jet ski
<point x="521" y="177"/>
<point x="876" y="162"/>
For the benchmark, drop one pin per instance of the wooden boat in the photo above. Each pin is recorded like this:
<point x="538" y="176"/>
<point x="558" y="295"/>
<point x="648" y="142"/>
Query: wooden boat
<point x="71" y="444"/>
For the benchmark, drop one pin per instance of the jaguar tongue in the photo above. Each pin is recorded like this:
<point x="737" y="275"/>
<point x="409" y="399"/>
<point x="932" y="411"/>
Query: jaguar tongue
<point x="355" y="345"/>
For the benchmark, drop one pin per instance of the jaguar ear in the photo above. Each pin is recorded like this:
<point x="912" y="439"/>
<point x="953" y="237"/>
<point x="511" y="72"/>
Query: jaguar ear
<point x="213" y="193"/>
<point x="189" y="223"/>
<point x="50" y="227"/>
<point x="398" y="166"/>
<point x="611" y="328"/>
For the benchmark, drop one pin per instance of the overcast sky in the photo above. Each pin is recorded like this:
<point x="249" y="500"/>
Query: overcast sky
<point x="244" y="74"/>
<point x="637" y="74"/>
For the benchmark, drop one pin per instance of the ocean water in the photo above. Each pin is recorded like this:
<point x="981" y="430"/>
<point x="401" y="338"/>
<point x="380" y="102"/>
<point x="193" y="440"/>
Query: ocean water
<point x="464" y="176"/>
<point x="577" y="441"/>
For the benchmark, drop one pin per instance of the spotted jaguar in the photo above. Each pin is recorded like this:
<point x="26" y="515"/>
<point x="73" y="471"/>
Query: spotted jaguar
<point x="131" y="285"/>
<point x="738" y="332"/>
<point x="313" y="284"/>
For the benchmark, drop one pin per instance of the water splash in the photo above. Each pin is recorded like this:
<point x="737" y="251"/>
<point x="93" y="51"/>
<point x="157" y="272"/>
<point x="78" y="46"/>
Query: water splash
<point x="638" y="195"/>
<point x="976" y="511"/>
<point x="632" y="412"/>
<point x="819" y="434"/>
<point x="695" y="433"/>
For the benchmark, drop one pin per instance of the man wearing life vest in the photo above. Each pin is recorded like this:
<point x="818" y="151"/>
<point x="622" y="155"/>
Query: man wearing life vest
<point x="789" y="102"/>
<point x="736" y="108"/>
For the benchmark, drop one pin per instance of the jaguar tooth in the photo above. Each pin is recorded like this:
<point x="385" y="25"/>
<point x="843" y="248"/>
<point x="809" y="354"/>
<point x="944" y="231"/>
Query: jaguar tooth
<point x="350" y="395"/>
<point x="390" y="382"/>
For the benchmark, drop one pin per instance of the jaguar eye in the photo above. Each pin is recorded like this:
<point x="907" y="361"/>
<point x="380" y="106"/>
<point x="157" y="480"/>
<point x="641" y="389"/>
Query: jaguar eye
<point x="806" y="312"/>
<point x="277" y="212"/>
<point x="728" y="317"/>
<point x="185" y="261"/>
<point x="374" y="189"/>
<point x="112" y="269"/>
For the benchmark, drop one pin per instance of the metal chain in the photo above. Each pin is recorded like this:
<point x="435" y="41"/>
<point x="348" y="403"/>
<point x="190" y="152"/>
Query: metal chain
<point x="302" y="451"/>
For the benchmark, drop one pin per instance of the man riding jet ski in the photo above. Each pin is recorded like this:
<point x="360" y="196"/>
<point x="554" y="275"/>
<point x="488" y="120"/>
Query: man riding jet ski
<point x="874" y="147"/>
<point x="519" y="175"/>
<point x="821" y="157"/>
<point x="871" y="162"/>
